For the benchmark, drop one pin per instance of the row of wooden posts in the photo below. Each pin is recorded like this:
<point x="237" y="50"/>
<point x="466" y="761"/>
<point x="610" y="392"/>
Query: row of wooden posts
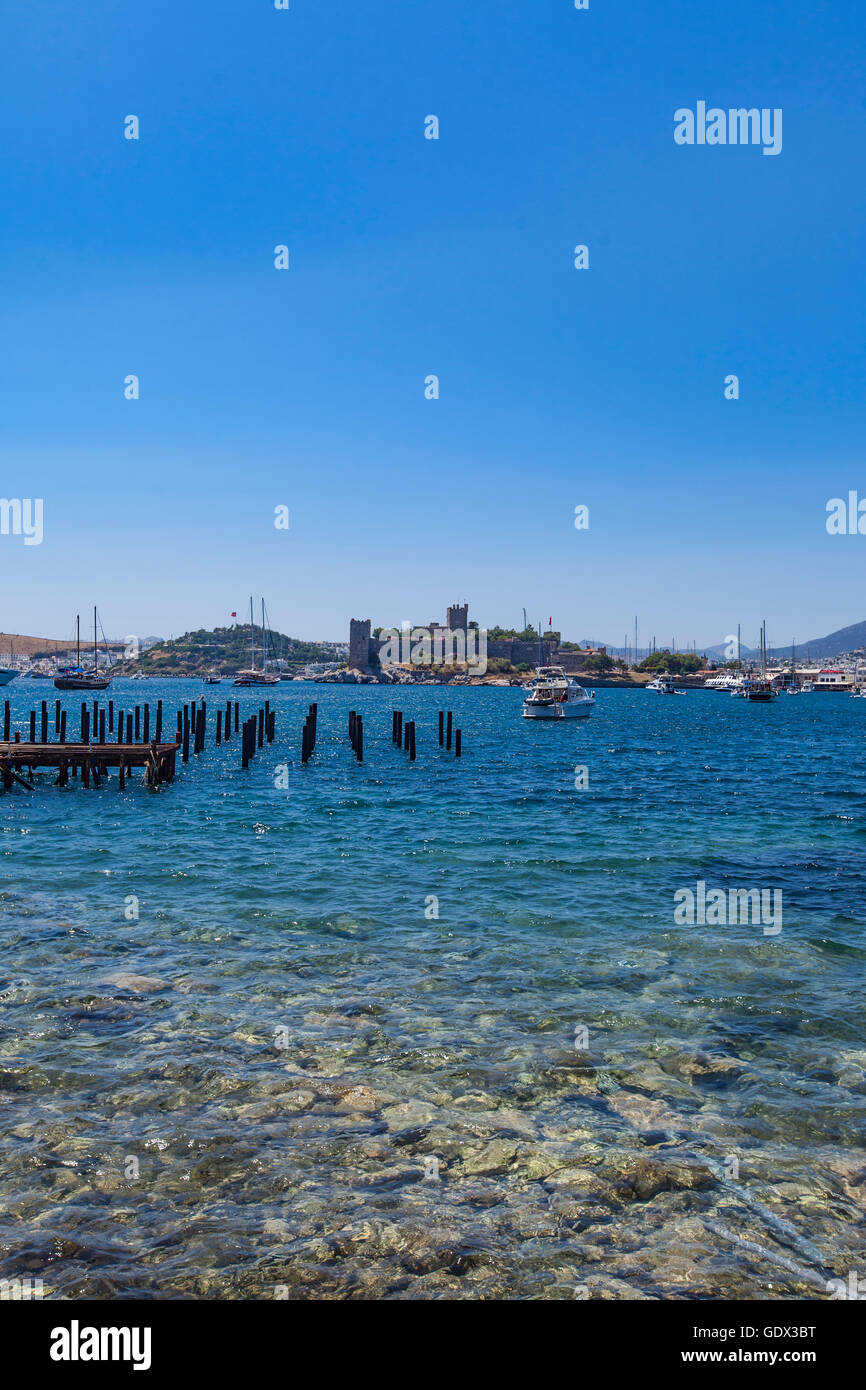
<point x="255" y="730"/>
<point x="95" y="724"/>
<point x="404" y="734"/>
<point x="138" y="740"/>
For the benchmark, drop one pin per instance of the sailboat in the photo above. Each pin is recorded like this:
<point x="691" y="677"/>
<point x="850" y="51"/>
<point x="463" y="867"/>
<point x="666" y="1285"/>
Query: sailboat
<point x="253" y="676"/>
<point x="762" y="691"/>
<point x="793" y="687"/>
<point x="76" y="677"/>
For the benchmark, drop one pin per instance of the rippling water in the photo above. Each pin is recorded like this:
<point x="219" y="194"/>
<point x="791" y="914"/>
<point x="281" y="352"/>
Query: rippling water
<point x="290" y="1077"/>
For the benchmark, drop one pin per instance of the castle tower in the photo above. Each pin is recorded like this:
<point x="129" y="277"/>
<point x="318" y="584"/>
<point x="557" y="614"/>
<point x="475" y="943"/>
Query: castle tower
<point x="457" y="618"/>
<point x="359" y="643"/>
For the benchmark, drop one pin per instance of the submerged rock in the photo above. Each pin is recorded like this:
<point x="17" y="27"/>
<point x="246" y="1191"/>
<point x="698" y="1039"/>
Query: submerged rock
<point x="640" y="1179"/>
<point x="138" y="984"/>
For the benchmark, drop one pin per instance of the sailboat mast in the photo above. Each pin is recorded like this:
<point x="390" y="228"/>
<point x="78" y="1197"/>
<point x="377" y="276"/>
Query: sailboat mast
<point x="264" y="662"/>
<point x="95" y="662"/>
<point x="252" y="638"/>
<point x="78" y="639"/>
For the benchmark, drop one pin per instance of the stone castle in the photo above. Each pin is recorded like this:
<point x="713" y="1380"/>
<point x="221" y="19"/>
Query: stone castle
<point x="364" y="648"/>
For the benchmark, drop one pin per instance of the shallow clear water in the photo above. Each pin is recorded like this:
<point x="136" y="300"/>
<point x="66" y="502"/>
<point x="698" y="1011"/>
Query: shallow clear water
<point x="289" y="1076"/>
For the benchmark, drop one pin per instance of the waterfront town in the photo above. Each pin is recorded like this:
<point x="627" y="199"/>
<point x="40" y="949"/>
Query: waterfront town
<point x="456" y="651"/>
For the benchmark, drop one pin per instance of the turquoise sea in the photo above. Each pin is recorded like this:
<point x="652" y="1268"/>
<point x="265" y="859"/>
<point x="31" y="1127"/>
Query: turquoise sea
<point x="431" y="1030"/>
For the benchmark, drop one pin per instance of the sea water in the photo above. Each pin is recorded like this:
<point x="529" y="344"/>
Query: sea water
<point x="431" y="1030"/>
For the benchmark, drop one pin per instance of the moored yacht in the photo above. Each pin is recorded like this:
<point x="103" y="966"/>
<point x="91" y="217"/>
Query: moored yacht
<point x="664" y="685"/>
<point x="77" y="677"/>
<point x="254" y="676"/>
<point x="555" y="695"/>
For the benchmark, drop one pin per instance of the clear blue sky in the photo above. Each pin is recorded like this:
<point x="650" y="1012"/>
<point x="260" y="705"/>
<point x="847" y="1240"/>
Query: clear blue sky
<point x="409" y="257"/>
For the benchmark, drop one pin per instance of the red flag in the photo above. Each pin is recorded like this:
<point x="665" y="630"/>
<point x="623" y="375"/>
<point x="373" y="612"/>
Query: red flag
<point x="549" y="622"/>
<point x="234" y="615"/>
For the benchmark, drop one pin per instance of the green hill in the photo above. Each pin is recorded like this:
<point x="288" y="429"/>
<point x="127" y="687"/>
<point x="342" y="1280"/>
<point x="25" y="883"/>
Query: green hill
<point x="225" y="650"/>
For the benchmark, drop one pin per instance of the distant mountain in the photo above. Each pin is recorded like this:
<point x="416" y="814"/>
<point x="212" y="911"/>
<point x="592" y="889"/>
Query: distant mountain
<point x="720" y="652"/>
<point x="846" y="639"/>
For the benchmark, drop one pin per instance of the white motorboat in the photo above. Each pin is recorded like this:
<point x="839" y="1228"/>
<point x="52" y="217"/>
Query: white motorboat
<point x="555" y="695"/>
<point x="664" y="685"/>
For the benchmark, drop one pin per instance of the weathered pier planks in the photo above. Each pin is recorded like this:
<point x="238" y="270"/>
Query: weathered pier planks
<point x="87" y="760"/>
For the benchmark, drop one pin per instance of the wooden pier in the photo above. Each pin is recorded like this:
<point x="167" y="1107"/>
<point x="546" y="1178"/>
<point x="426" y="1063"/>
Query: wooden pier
<point x="94" y="756"/>
<point x="87" y="761"/>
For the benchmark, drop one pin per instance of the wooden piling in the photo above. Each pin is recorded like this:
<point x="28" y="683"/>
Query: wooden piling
<point x="145" y="725"/>
<point x="111" y="716"/>
<point x="185" y="736"/>
<point x="44" y="721"/>
<point x="6" y="719"/>
<point x="441" y="727"/>
<point x="101" y="734"/>
<point x="33" y="726"/>
<point x="62" y="733"/>
<point x="359" y="739"/>
<point x="448" y="732"/>
<point x="458" y="743"/>
<point x="159" y="721"/>
<point x="237" y="715"/>
<point x="412" y="741"/>
<point x="129" y="729"/>
<point x="261" y="727"/>
<point x="138" y="723"/>
<point x="219" y="728"/>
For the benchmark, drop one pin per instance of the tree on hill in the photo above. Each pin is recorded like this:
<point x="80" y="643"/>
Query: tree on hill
<point x="677" y="663"/>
